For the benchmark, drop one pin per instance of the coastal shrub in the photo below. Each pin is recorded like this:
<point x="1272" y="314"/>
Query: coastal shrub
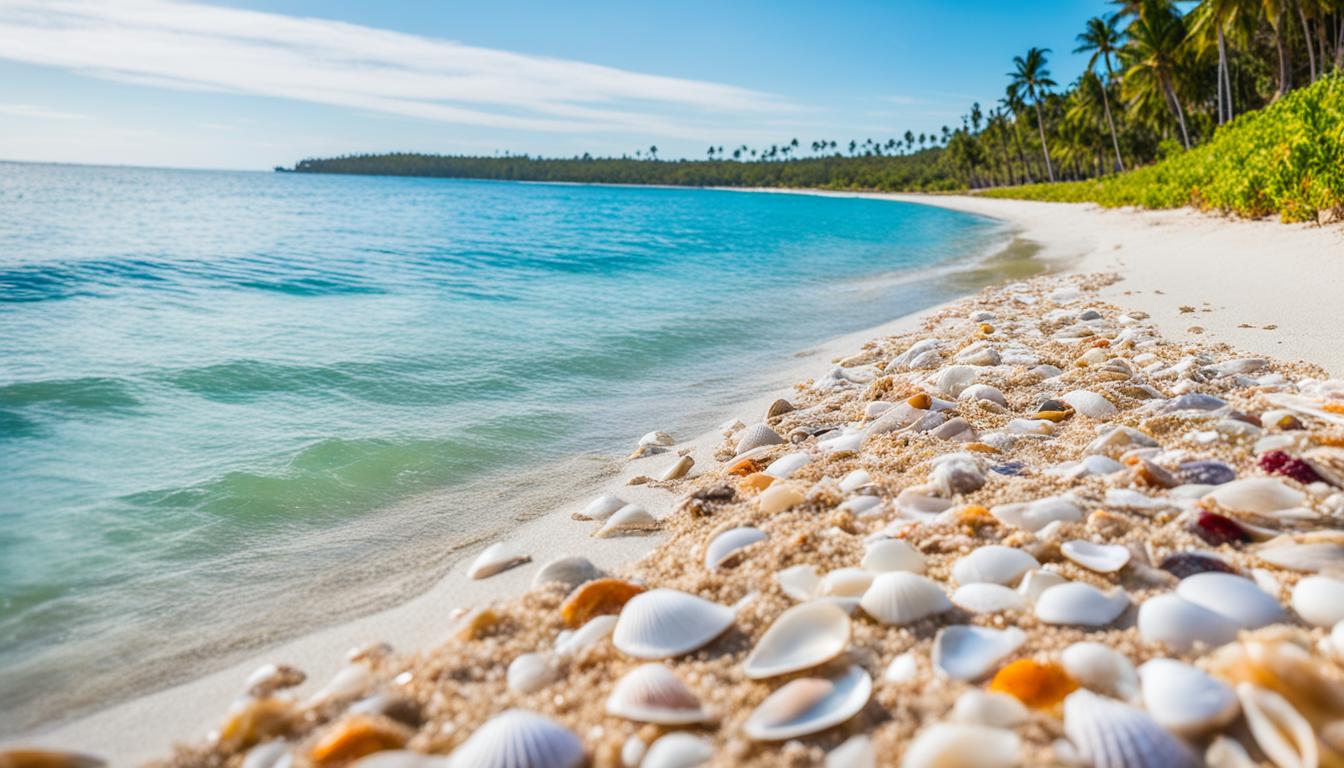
<point x="1286" y="159"/>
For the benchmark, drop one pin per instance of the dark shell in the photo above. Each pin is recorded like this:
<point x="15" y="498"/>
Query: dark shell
<point x="1216" y="529"/>
<point x="1183" y="564"/>
<point x="1193" y="401"/>
<point x="1011" y="468"/>
<point x="1054" y="405"/>
<point x="1205" y="472"/>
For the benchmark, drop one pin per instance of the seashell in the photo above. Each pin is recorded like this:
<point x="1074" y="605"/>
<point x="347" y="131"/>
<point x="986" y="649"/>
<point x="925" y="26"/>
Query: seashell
<point x="1179" y="623"/>
<point x="1037" y="427"/>
<point x="1095" y="465"/>
<point x="1236" y="598"/>
<point x="958" y="745"/>
<point x="755" y="436"/>
<point x="1227" y="753"/>
<point x="269" y="678"/>
<point x="652" y="693"/>
<point x="1110" y="734"/>
<point x="996" y="710"/>
<point x="656" y="438"/>
<point x="1035" y="515"/>
<point x="357" y="736"/>
<point x="726" y="548"/>
<point x="957" y="430"/>
<point x="1036" y="684"/>
<point x="1192" y="401"/>
<point x="964" y="652"/>
<point x="1090" y="404"/>
<point x="633" y="751"/>
<point x="678" y="469"/>
<point x="787" y="464"/>
<point x="984" y="392"/>
<point x="993" y="563"/>
<point x="1319" y="600"/>
<point x="1256" y="495"/>
<point x="808" y="705"/>
<point x="569" y="571"/>
<point x="1185" y="564"/>
<point x="846" y="582"/>
<point x="1239" y="366"/>
<point x="518" y="738"/>
<point x="348" y="682"/>
<point x="574" y="643"/>
<point x="596" y="598"/>
<point x="804" y="636"/>
<point x="1046" y="371"/>
<point x="892" y="555"/>
<point x="1117" y="439"/>
<point x="1101" y="558"/>
<point x="897" y="597"/>
<point x="270" y="754"/>
<point x="47" y="758"/>
<point x="678" y="750"/>
<point x="496" y="558"/>
<point x="800" y="582"/>
<point x="530" y="673"/>
<point x="1184" y="699"/>
<point x="953" y="379"/>
<point x="856" y="752"/>
<point x="778" y="408"/>
<point x="389" y="704"/>
<point x="663" y="623"/>
<point x="628" y="519"/>
<point x="1328" y="462"/>
<point x="394" y="758"/>
<point x="476" y="623"/>
<point x="917" y="503"/>
<point x="1102" y="669"/>
<point x="902" y="669"/>
<point x="1114" y="369"/>
<point x="979" y="353"/>
<point x="1308" y="552"/>
<point x="1206" y="472"/>
<point x="983" y="597"/>
<point x="1216" y="529"/>
<point x="250" y="720"/>
<point x="1036" y="581"/>
<point x="1077" y="603"/>
<point x="956" y="473"/>
<point x="1279" y="730"/>
<point x="855" y="480"/>
<point x="844" y="443"/>
<point x="778" y="498"/>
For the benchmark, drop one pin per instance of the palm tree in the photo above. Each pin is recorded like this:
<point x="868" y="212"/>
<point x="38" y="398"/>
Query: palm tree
<point x="1219" y="15"/>
<point x="1012" y="104"/>
<point x="1102" y="39"/>
<point x="1153" y="52"/>
<point x="1029" y="74"/>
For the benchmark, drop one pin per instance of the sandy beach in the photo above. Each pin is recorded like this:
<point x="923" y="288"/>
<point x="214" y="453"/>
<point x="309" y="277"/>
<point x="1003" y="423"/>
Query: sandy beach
<point x="1261" y="287"/>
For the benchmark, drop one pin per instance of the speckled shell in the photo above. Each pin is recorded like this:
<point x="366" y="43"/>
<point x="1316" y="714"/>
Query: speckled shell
<point x="755" y="436"/>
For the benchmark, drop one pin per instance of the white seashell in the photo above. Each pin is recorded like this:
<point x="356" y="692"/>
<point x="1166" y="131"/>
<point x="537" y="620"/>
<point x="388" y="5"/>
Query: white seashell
<point x="917" y="503"/>
<point x="1078" y="603"/>
<point x="996" y="710"/>
<point x="1279" y="730"/>
<point x="804" y="636"/>
<point x="956" y="473"/>
<point x="1256" y="495"/>
<point x="800" y="582"/>
<point x="808" y="705"/>
<point x="1319" y="600"/>
<point x="993" y="563"/>
<point x="983" y="597"/>
<point x="855" y="480"/>
<point x="1037" y="427"/>
<point x="953" y="379"/>
<point x="530" y="673"/>
<point x="902" y="669"/>
<point x="964" y="652"/>
<point x="678" y="469"/>
<point x="1046" y="371"/>
<point x="678" y="750"/>
<point x="1102" y="669"/>
<point x="633" y="751"/>
<point x="727" y="546"/>
<point x="600" y="508"/>
<point x="898" y="597"/>
<point x="778" y="498"/>
<point x="856" y="752"/>
<point x="846" y="582"/>
<point x="892" y="555"/>
<point x="1319" y="551"/>
<point x="1036" y="581"/>
<point x="518" y="738"/>
<point x="1090" y="404"/>
<point x="1179" y="623"/>
<point x="652" y="693"/>
<point x="1035" y="515"/>
<point x="269" y="678"/>
<point x="586" y="636"/>
<point x="663" y="623"/>
<point x="862" y="506"/>
<point x="844" y="443"/>
<point x="1109" y="734"/>
<point x="786" y="465"/>
<point x="979" y="353"/>
<point x="349" y="681"/>
<point x="393" y="758"/>
<point x="569" y="571"/>
<point x="1227" y="753"/>
<point x="496" y="558"/>
<point x="627" y="519"/>
<point x="756" y="436"/>
<point x="1184" y="699"/>
<point x="984" y="392"/>
<point x="957" y="745"/>
<point x="1102" y="558"/>
<point x="270" y="754"/>
<point x="656" y="438"/>
<point x="1117" y="439"/>
<point x="1238" y="599"/>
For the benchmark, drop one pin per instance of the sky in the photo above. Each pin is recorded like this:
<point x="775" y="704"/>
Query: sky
<point x="251" y="85"/>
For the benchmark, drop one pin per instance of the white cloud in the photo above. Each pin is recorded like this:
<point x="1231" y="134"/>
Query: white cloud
<point x="38" y="112"/>
<point x="188" y="46"/>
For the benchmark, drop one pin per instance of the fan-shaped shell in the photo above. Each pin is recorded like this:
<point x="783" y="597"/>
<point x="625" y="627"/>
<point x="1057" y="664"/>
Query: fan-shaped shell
<point x="958" y="745"/>
<point x="1179" y="623"/>
<point x="964" y="652"/>
<point x="983" y="597"/>
<point x="726" y="547"/>
<point x="898" y="597"/>
<point x="1319" y="600"/>
<point x="600" y="508"/>
<point x="494" y="559"/>
<point x="1256" y="495"/>
<point x="652" y="693"/>
<point x="755" y="436"/>
<point x="786" y="465"/>
<point x="1185" y="699"/>
<point x="1280" y="731"/>
<point x="518" y="738"/>
<point x="892" y="555"/>
<point x="530" y="672"/>
<point x="809" y="705"/>
<point x="1237" y="598"/>
<point x="631" y="517"/>
<point x="1090" y="404"/>
<point x="1077" y="603"/>
<point x="803" y="637"/>
<point x="1102" y="669"/>
<point x="995" y="564"/>
<point x="663" y="623"/>
<point x="1110" y="734"/>
<point x="678" y="750"/>
<point x="569" y="571"/>
<point x="1102" y="558"/>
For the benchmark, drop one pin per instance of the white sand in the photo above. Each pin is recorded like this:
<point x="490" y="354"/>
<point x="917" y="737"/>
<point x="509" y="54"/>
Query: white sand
<point x="1259" y="273"/>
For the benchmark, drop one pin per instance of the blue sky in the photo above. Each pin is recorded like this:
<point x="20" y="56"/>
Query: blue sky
<point x="255" y="84"/>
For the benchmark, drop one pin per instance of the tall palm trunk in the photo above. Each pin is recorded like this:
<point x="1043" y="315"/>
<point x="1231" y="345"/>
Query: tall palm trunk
<point x="1281" y="47"/>
<point x="1021" y="154"/>
<point x="1115" y="138"/>
<point x="1306" y="38"/>
<point x="1175" y="104"/>
<point x="1224" y="90"/>
<point x="1045" y="148"/>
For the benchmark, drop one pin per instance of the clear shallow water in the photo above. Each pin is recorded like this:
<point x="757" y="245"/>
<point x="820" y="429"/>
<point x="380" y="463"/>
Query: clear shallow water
<point x="227" y="399"/>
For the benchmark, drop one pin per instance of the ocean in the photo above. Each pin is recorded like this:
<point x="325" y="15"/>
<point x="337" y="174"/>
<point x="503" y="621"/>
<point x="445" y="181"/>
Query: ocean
<point x="235" y="406"/>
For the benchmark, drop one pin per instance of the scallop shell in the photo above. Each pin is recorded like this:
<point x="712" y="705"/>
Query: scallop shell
<point x="755" y="436"/>
<point x="800" y="582"/>
<point x="964" y="652"/>
<point x="809" y="705"/>
<point x="1102" y="558"/>
<point x="1279" y="730"/>
<point x="1184" y="699"/>
<point x="983" y="597"/>
<point x="1109" y="734"/>
<point x="1090" y="404"/>
<point x="652" y="693"/>
<point x="1035" y="515"/>
<point x="1102" y="669"/>
<point x="627" y="519"/>
<point x="993" y="563"/>
<point x="856" y="752"/>
<point x="1179" y="623"/>
<point x="726" y="547"/>
<point x="1236" y="598"/>
<point x="1077" y="603"/>
<point x="518" y="738"/>
<point x="569" y="571"/>
<point x="778" y="408"/>
<point x="786" y="465"/>
<point x="1256" y="495"/>
<point x="663" y="623"/>
<point x="494" y="559"/>
<point x="678" y="750"/>
<point x="991" y="708"/>
<point x="898" y="597"/>
<point x="957" y="745"/>
<point x="803" y="637"/>
<point x="530" y="673"/>
<point x="1319" y="600"/>
<point x="892" y="555"/>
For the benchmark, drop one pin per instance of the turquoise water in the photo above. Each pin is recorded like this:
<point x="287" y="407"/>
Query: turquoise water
<point x="226" y="399"/>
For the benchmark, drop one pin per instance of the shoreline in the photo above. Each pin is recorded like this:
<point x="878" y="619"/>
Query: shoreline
<point x="1077" y="238"/>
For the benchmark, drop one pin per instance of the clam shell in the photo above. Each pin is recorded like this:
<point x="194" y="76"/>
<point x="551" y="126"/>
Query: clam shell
<point x="1109" y="734"/>
<point x="727" y="546"/>
<point x="1035" y="515"/>
<point x="1102" y="669"/>
<point x="1256" y="495"/>
<point x="800" y="582"/>
<point x="1077" y="603"/>
<point x="953" y="379"/>
<point x="678" y="750"/>
<point x="991" y="708"/>
<point x="652" y="693"/>
<point x="855" y="480"/>
<point x="1184" y="699"/>
<point x="1279" y="730"/>
<point x="1319" y="600"/>
<point x="964" y="652"/>
<point x="755" y="436"/>
<point x="656" y="438"/>
<point x="1309" y="552"/>
<point x="348" y="682"/>
<point x="530" y="673"/>
<point x="856" y="752"/>
<point x="956" y="473"/>
<point x="983" y="597"/>
<point x="600" y="508"/>
<point x="1236" y="598"/>
<point x="804" y="636"/>
<point x="898" y="597"/>
<point x="892" y="555"/>
<point x="983" y="392"/>
<point x="1036" y="581"/>
<point x="518" y="738"/>
<point x="627" y="519"/>
<point x="846" y="582"/>
<point x="1102" y="558"/>
<point x="1179" y="623"/>
<point x="786" y="465"/>
<point x="778" y="498"/>
<point x="494" y="559"/>
<point x="595" y="598"/>
<point x="778" y="408"/>
<point x="809" y="705"/>
<point x="918" y="503"/>
<point x="957" y="745"/>
<point x="1115" y="440"/>
<point x="663" y="623"/>
<point x="1090" y="404"/>
<point x="902" y="668"/>
<point x="993" y="563"/>
<point x="569" y="571"/>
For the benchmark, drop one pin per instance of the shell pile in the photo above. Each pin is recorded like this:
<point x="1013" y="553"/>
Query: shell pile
<point x="1032" y="532"/>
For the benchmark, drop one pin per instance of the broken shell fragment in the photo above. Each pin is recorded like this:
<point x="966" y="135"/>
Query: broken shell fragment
<point x="1101" y="558"/>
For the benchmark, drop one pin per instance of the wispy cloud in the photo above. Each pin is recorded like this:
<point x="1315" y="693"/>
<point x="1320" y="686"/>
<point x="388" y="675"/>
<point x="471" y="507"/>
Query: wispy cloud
<point x="38" y="112"/>
<point x="200" y="47"/>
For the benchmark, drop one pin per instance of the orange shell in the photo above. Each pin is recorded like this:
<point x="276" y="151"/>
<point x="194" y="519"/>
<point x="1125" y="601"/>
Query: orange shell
<point x="596" y="598"/>
<point x="1037" y="685"/>
<point x="756" y="481"/>
<point x="744" y="467"/>
<point x="358" y="736"/>
<point x="921" y="401"/>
